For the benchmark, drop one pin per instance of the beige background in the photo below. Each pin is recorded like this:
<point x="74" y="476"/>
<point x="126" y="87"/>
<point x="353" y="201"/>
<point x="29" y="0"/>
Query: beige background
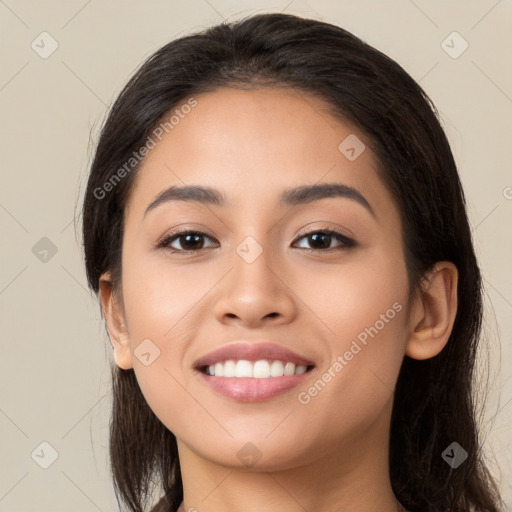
<point x="55" y="353"/>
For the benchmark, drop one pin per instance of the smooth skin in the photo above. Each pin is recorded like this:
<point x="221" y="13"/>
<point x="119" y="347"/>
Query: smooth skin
<point x="327" y="455"/>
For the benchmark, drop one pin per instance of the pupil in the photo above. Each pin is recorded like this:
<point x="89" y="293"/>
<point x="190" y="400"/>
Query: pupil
<point x="188" y="237"/>
<point x="325" y="237"/>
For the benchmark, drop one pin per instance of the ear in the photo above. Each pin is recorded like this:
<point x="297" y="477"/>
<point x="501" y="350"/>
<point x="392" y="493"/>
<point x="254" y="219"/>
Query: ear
<point x="433" y="312"/>
<point x="113" y="312"/>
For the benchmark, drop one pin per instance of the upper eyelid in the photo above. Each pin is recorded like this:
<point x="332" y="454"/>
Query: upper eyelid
<point x="338" y="231"/>
<point x="300" y="235"/>
<point x="174" y="236"/>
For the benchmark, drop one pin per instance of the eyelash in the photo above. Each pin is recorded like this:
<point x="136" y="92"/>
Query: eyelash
<point x="347" y="242"/>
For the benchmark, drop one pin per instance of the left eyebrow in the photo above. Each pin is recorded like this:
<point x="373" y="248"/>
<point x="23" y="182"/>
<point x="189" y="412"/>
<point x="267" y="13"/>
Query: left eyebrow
<point x="308" y="193"/>
<point x="291" y="197"/>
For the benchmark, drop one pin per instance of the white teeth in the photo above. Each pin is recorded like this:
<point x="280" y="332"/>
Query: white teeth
<point x="242" y="369"/>
<point x="276" y="369"/>
<point x="229" y="369"/>
<point x="261" y="369"/>
<point x="219" y="369"/>
<point x="289" y="369"/>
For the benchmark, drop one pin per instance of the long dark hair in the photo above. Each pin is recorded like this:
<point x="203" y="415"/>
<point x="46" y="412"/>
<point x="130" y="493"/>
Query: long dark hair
<point x="434" y="401"/>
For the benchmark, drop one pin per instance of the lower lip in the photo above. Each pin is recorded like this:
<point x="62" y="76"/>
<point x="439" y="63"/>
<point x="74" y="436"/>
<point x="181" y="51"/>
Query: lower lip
<point x="248" y="389"/>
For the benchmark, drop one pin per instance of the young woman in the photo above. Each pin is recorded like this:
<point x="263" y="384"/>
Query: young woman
<point x="276" y="230"/>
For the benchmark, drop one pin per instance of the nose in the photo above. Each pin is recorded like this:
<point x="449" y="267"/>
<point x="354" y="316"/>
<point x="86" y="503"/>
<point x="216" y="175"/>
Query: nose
<point x="255" y="293"/>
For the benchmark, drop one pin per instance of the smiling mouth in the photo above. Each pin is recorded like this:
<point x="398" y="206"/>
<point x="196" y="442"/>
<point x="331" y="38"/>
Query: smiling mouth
<point x="261" y="369"/>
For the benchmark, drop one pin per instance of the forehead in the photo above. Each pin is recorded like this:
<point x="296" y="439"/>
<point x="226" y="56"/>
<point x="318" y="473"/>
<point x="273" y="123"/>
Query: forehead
<point x="255" y="144"/>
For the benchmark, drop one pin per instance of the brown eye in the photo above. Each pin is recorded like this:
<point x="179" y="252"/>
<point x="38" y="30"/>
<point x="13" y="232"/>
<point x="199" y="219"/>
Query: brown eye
<point x="194" y="241"/>
<point x="185" y="241"/>
<point x="322" y="240"/>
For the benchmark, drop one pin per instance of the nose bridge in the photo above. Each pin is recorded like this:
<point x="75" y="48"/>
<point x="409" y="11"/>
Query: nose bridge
<point x="254" y="264"/>
<point x="253" y="240"/>
<point x="258" y="246"/>
<point x="255" y="289"/>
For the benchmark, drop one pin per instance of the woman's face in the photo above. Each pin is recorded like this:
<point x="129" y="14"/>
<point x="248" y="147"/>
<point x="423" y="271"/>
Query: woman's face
<point x="251" y="276"/>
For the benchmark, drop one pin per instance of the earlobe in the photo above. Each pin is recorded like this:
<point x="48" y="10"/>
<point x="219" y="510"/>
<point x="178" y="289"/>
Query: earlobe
<point x="433" y="314"/>
<point x="115" y="322"/>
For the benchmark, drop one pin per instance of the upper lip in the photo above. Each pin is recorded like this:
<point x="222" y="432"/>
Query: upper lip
<point x="250" y="351"/>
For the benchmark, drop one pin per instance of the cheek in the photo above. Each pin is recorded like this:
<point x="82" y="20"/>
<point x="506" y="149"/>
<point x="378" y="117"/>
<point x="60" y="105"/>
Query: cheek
<point x="160" y="296"/>
<point x="162" y="302"/>
<point x="351" y="297"/>
<point x="363" y="312"/>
